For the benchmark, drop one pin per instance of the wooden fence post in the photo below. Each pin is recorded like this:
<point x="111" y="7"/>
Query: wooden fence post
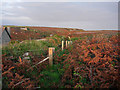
<point x="69" y="43"/>
<point x="66" y="44"/>
<point x="51" y="51"/>
<point x="62" y="45"/>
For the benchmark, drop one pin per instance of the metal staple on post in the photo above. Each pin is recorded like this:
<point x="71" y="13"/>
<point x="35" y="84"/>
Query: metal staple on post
<point x="51" y="51"/>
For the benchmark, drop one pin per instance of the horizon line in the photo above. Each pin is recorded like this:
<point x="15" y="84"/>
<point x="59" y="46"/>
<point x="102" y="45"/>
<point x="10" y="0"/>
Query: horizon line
<point x="57" y="27"/>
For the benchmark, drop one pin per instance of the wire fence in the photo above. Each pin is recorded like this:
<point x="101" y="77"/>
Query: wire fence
<point x="51" y="52"/>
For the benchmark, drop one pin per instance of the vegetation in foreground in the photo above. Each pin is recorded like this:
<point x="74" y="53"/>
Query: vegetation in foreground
<point x="92" y="61"/>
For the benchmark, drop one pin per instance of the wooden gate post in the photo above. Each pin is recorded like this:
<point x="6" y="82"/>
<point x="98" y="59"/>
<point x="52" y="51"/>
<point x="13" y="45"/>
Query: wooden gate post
<point x="62" y="45"/>
<point x="51" y="51"/>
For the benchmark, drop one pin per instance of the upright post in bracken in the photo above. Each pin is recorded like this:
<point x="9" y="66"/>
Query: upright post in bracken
<point x="51" y="51"/>
<point x="66" y="44"/>
<point x="62" y="45"/>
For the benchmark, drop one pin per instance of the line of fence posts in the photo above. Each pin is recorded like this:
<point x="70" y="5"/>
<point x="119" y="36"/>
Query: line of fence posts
<point x="67" y="43"/>
<point x="51" y="51"/>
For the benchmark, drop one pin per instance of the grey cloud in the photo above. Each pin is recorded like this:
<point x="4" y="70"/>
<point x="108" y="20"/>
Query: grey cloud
<point x="80" y="15"/>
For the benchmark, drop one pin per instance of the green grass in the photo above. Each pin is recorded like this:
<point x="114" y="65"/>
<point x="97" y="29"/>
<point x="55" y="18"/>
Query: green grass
<point x="16" y="49"/>
<point x="51" y="75"/>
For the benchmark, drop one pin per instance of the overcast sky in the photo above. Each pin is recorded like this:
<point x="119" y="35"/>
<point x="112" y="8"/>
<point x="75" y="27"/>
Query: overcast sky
<point x="84" y="15"/>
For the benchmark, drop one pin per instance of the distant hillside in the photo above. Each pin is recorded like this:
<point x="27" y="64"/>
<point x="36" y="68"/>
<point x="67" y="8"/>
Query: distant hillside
<point x="70" y="29"/>
<point x="30" y="32"/>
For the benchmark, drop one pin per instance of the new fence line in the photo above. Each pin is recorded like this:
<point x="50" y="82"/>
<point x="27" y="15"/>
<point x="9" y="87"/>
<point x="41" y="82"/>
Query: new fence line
<point x="51" y="51"/>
